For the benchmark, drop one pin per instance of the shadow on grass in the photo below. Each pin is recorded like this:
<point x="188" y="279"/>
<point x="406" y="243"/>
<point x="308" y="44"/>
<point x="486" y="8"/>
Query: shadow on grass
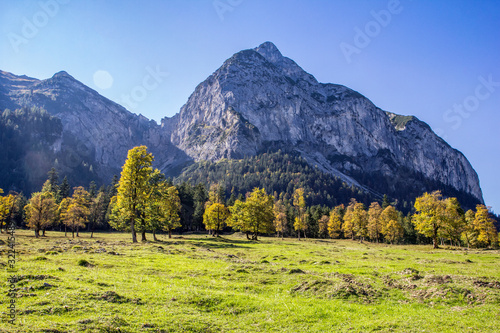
<point x="221" y="242"/>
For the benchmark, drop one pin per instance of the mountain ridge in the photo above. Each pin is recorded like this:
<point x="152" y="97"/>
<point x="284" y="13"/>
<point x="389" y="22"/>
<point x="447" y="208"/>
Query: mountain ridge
<point x="257" y="100"/>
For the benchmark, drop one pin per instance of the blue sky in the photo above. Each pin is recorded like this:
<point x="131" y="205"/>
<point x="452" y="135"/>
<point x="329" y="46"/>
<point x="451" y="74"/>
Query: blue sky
<point x="437" y="60"/>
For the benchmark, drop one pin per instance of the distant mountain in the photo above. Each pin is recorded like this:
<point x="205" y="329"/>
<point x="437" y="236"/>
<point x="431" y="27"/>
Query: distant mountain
<point x="257" y="101"/>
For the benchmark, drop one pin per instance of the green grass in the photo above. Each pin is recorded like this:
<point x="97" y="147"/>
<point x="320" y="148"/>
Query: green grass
<point x="198" y="283"/>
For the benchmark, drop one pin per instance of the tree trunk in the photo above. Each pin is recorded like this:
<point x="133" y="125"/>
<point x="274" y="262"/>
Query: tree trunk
<point x="77" y="231"/>
<point x="248" y="237"/>
<point x="65" y="230"/>
<point x="92" y="233"/>
<point x="154" y="235"/>
<point x="169" y="233"/>
<point x="134" y="235"/>
<point x="143" y="236"/>
<point x="73" y="232"/>
<point x="43" y="232"/>
<point x="298" y="234"/>
<point x="37" y="233"/>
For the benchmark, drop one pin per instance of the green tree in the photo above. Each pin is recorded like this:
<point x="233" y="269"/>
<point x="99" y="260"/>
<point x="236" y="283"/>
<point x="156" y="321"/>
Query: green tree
<point x="131" y="201"/>
<point x="64" y="188"/>
<point x="163" y="209"/>
<point x="430" y="217"/>
<point x="97" y="211"/>
<point x="41" y="211"/>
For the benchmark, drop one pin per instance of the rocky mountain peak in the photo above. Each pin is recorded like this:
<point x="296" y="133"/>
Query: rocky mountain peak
<point x="62" y="74"/>
<point x="269" y="51"/>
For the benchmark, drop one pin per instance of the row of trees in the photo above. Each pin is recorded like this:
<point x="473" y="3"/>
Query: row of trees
<point x="143" y="200"/>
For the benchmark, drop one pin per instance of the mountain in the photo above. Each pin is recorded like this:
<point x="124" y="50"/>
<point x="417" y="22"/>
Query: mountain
<point x="258" y="101"/>
<point x="95" y="136"/>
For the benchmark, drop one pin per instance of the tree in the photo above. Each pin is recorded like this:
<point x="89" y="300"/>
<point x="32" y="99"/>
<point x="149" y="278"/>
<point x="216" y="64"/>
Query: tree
<point x="200" y="197"/>
<point x="374" y="222"/>
<point x="323" y="225"/>
<point x="130" y="204"/>
<point x="8" y="206"/>
<point x="485" y="227"/>
<point x="97" y="211"/>
<point x="348" y="227"/>
<point x="335" y="222"/>
<point x="280" y="219"/>
<point x="299" y="202"/>
<point x="469" y="235"/>
<point x="430" y="217"/>
<point x="77" y="210"/>
<point x="455" y="220"/>
<point x="64" y="188"/>
<point x="215" y="216"/>
<point x="355" y="220"/>
<point x="163" y="209"/>
<point x="41" y="211"/>
<point x="255" y="215"/>
<point x="391" y="228"/>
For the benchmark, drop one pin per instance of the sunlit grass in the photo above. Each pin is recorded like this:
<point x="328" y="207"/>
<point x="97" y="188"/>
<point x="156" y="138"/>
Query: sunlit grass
<point x="197" y="283"/>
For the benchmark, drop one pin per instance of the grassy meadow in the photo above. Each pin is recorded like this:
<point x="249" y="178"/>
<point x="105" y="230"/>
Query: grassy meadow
<point x="197" y="283"/>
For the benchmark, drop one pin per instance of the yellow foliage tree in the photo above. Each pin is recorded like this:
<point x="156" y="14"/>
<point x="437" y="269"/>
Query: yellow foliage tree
<point x="374" y="222"/>
<point x="485" y="227"/>
<point x="255" y="215"/>
<point x="299" y="202"/>
<point x="77" y="210"/>
<point x="391" y="228"/>
<point x="129" y="207"/>
<point x="279" y="218"/>
<point x="430" y="218"/>
<point x="41" y="211"/>
<point x="215" y="216"/>
<point x="335" y="222"/>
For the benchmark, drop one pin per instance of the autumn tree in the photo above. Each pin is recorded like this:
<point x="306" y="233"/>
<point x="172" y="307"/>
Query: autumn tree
<point x="391" y="228"/>
<point x="335" y="222"/>
<point x="130" y="204"/>
<point x="455" y="220"/>
<point x="374" y="222"/>
<point x="469" y="235"/>
<point x="8" y="209"/>
<point x="323" y="225"/>
<point x="355" y="220"/>
<point x="215" y="216"/>
<point x="280" y="219"/>
<point x="255" y="215"/>
<point x="485" y="227"/>
<point x="430" y="216"/>
<point x="299" y="203"/>
<point x="348" y="225"/>
<point x="41" y="211"/>
<point x="77" y="210"/>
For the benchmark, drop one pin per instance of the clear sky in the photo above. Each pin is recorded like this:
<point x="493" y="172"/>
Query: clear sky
<point x="437" y="60"/>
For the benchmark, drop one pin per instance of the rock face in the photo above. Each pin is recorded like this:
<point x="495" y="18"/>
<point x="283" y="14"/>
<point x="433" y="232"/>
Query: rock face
<point x="256" y="101"/>
<point x="96" y="131"/>
<point x="259" y="99"/>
